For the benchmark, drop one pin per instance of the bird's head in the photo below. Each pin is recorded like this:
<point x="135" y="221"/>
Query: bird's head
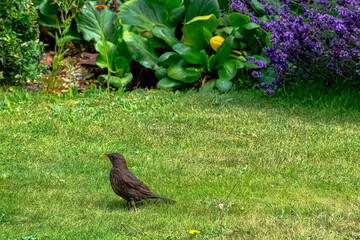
<point x="116" y="159"/>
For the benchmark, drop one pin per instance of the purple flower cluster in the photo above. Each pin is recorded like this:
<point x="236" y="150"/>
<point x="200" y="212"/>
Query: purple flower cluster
<point x="267" y="88"/>
<point x="316" y="39"/>
<point x="238" y="6"/>
<point x="259" y="63"/>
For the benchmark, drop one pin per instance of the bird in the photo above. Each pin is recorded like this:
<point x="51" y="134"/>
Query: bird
<point x="125" y="184"/>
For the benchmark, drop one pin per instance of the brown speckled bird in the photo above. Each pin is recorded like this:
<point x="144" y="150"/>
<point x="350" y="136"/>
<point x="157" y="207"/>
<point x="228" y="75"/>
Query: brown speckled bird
<point x="125" y="184"/>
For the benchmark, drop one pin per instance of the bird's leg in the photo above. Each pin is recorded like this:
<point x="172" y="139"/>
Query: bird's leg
<point x="132" y="202"/>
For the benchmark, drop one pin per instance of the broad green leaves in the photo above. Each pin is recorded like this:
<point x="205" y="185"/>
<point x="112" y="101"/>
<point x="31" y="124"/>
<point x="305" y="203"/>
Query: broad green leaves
<point x="149" y="38"/>
<point x="196" y="8"/>
<point x="141" y="50"/>
<point x="188" y="53"/>
<point x="167" y="82"/>
<point x="179" y="71"/>
<point x="238" y="19"/>
<point x="97" y="25"/>
<point x="228" y="70"/>
<point x="194" y="33"/>
<point x="223" y="52"/>
<point x="104" y="28"/>
<point x="143" y="15"/>
<point x="117" y="82"/>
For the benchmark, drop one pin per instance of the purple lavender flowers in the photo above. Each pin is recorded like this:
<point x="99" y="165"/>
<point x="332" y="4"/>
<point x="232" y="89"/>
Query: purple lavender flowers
<point x="322" y="40"/>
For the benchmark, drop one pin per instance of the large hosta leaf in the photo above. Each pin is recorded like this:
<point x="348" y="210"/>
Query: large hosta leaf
<point x="195" y="8"/>
<point x="141" y="50"/>
<point x="193" y="30"/>
<point x="168" y="58"/>
<point x="228" y="70"/>
<point x="95" y="24"/>
<point x="165" y="34"/>
<point x="180" y="72"/>
<point x="238" y="19"/>
<point x="143" y="15"/>
<point x="188" y="53"/>
<point x="167" y="82"/>
<point x="170" y="4"/>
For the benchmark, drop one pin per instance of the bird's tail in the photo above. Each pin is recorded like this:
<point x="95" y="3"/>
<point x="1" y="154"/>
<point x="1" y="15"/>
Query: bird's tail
<point x="157" y="196"/>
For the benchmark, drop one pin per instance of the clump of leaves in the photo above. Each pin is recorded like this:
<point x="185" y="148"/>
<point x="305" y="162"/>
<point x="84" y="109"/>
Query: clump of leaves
<point x="182" y="61"/>
<point x="21" y="50"/>
<point x="102" y="25"/>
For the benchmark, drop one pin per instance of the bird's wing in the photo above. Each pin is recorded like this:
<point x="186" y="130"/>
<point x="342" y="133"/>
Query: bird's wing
<point x="134" y="182"/>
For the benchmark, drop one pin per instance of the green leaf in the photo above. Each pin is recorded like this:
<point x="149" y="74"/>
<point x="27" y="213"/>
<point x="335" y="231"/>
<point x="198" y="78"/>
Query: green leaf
<point x="193" y="31"/>
<point x="49" y="8"/>
<point x="251" y="26"/>
<point x="228" y="70"/>
<point x="267" y="75"/>
<point x="224" y="20"/>
<point x="178" y="71"/>
<point x="168" y="58"/>
<point x="223" y="51"/>
<point x="258" y="7"/>
<point x="223" y="85"/>
<point x="188" y="53"/>
<point x="238" y="19"/>
<point x="95" y="24"/>
<point x="166" y="34"/>
<point x="267" y="40"/>
<point x="160" y="73"/>
<point x="167" y="82"/>
<point x="121" y="64"/>
<point x="204" y="59"/>
<point x="61" y="41"/>
<point x="251" y="65"/>
<point x="177" y="15"/>
<point x="207" y="87"/>
<point x="207" y="35"/>
<point x="195" y="8"/>
<point x="48" y="21"/>
<point x="106" y="57"/>
<point x="117" y="81"/>
<point x="239" y="64"/>
<point x="141" y="50"/>
<point x="170" y="4"/>
<point x="143" y="15"/>
<point x="122" y="49"/>
<point x="211" y="63"/>
<point x="224" y="4"/>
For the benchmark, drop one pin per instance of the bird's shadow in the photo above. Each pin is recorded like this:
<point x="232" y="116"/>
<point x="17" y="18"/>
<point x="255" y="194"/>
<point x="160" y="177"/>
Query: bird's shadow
<point x="121" y="204"/>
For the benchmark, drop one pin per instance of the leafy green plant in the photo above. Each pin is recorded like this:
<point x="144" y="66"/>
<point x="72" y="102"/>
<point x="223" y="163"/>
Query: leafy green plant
<point x="103" y="26"/>
<point x="20" y="49"/>
<point x="50" y="12"/>
<point x="152" y="41"/>
<point x="68" y="10"/>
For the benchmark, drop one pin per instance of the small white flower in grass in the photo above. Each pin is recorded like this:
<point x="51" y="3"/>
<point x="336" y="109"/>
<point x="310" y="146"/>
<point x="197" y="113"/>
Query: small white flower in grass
<point x="221" y="206"/>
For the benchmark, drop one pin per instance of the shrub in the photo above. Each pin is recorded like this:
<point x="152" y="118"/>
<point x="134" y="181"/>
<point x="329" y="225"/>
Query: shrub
<point x="21" y="50"/>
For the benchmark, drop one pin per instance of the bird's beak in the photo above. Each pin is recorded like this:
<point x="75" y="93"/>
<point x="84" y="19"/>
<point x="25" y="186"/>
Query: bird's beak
<point x="104" y="154"/>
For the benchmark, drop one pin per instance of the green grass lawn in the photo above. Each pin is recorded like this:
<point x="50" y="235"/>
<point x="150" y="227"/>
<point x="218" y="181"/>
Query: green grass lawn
<point x="299" y="165"/>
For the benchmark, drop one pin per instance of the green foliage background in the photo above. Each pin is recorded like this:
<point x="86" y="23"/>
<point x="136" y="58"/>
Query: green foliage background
<point x="21" y="51"/>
